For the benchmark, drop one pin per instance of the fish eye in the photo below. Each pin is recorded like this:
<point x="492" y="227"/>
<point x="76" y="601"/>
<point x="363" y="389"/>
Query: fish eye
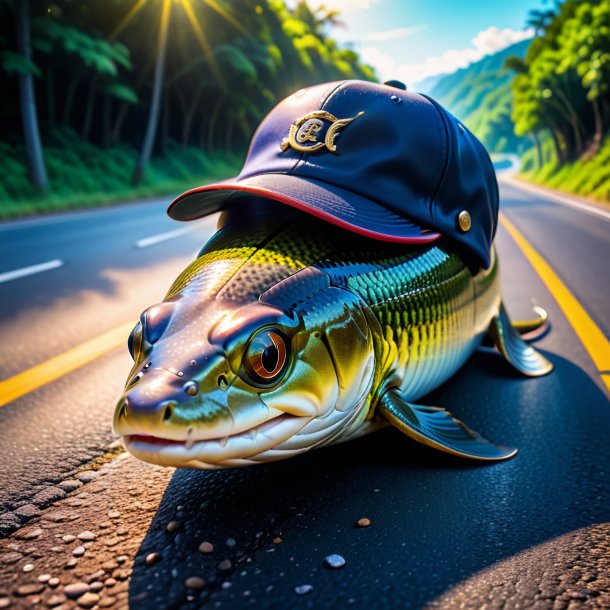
<point x="266" y="356"/>
<point x="134" y="343"/>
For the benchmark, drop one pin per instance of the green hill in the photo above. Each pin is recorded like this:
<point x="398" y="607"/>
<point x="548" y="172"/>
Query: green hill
<point x="480" y="95"/>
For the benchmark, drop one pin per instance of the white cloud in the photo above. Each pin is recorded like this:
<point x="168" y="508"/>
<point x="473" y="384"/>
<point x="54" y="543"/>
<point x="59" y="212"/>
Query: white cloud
<point x="394" y="33"/>
<point x="487" y="41"/>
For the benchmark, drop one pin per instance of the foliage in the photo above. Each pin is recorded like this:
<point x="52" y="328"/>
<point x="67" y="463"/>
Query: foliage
<point x="227" y="64"/>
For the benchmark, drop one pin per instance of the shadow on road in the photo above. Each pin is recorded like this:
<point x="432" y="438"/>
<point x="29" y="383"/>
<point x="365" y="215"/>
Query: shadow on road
<point x="436" y="520"/>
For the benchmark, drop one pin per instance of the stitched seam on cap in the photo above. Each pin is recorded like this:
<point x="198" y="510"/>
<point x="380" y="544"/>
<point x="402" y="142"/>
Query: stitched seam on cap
<point x="445" y="170"/>
<point x="301" y="157"/>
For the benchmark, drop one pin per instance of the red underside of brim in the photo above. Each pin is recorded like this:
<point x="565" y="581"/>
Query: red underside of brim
<point x="428" y="237"/>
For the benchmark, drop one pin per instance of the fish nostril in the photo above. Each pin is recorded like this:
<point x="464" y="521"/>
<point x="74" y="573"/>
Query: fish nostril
<point x="169" y="409"/>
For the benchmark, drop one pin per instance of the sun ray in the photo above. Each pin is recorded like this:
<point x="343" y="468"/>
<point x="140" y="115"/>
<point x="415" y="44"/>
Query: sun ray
<point x="127" y="19"/>
<point x="225" y="14"/>
<point x="203" y="42"/>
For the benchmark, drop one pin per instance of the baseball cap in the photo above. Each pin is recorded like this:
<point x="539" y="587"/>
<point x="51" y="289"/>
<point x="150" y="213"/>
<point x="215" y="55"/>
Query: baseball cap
<point x="371" y="158"/>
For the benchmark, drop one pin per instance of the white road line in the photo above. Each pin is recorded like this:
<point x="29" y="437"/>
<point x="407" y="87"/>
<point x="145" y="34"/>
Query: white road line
<point x="156" y="239"/>
<point x="577" y="205"/>
<point x="7" y="276"/>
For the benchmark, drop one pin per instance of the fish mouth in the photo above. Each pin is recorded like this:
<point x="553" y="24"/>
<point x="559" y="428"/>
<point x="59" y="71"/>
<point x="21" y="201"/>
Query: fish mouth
<point x="223" y="451"/>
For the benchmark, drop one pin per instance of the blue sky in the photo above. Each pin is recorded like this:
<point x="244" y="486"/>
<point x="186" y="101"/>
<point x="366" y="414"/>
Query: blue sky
<point x="413" y="39"/>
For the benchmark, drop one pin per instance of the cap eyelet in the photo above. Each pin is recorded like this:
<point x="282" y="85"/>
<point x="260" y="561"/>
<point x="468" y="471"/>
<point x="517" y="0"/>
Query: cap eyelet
<point x="464" y="221"/>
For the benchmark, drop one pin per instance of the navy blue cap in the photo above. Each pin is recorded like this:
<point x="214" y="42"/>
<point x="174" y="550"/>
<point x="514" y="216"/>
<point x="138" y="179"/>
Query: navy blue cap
<point x="374" y="159"/>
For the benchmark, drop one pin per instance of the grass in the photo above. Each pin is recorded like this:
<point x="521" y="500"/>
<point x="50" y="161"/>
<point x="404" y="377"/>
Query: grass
<point x="588" y="178"/>
<point x="82" y="175"/>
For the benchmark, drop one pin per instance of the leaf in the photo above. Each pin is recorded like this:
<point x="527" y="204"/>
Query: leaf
<point x="15" y="63"/>
<point x="121" y="92"/>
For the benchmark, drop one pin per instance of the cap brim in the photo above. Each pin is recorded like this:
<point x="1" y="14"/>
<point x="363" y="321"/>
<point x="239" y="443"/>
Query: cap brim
<point x="326" y="201"/>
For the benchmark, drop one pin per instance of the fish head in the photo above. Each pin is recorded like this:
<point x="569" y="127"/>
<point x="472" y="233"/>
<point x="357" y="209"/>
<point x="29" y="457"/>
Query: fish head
<point x="220" y="384"/>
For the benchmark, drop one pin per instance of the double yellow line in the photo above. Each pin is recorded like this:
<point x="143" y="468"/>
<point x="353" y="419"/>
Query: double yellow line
<point x="594" y="340"/>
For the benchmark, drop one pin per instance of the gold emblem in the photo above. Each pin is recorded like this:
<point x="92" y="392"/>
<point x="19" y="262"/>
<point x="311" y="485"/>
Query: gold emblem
<point x="305" y="133"/>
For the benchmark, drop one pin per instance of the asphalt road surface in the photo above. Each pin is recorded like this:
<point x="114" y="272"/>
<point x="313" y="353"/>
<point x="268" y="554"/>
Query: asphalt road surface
<point x="531" y="532"/>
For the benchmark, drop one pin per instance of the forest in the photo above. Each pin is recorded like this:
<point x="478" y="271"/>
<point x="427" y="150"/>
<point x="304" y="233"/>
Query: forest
<point x="561" y="97"/>
<point x="113" y="99"/>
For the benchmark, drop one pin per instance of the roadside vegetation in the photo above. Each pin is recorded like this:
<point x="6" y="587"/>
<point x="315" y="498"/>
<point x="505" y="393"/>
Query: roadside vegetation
<point x="110" y="100"/>
<point x="561" y="98"/>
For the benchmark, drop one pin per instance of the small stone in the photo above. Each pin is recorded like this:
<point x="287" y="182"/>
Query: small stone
<point x="87" y="536"/>
<point x="364" y="522"/>
<point x="27" y="511"/>
<point x="107" y="601"/>
<point x="122" y="558"/>
<point x="173" y="526"/>
<point x="226" y="585"/>
<point x="86" y="476"/>
<point x="31" y="588"/>
<point x="194" y="582"/>
<point x="9" y="522"/>
<point x="225" y="565"/>
<point x="47" y="496"/>
<point x="88" y="600"/>
<point x="5" y="602"/>
<point x="56" y="599"/>
<point x="95" y="576"/>
<point x="69" y="485"/>
<point x="206" y="547"/>
<point x="44" y="578"/>
<point x="53" y="582"/>
<point x="68" y="537"/>
<point x="303" y="589"/>
<point x="96" y="586"/>
<point x="230" y="542"/>
<point x="29" y="533"/>
<point x="79" y="551"/>
<point x="114" y="514"/>
<point x="334" y="561"/>
<point x="28" y="567"/>
<point x="152" y="558"/>
<point x="76" y="589"/>
<point x="110" y="582"/>
<point x="277" y="540"/>
<point x="10" y="558"/>
<point x="71" y="563"/>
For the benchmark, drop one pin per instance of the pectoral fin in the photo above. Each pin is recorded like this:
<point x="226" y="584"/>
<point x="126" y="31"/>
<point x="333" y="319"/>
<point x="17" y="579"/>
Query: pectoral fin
<point x="437" y="428"/>
<point x="517" y="352"/>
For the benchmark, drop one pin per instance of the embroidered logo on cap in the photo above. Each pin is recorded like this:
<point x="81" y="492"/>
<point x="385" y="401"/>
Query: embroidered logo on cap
<point x="307" y="133"/>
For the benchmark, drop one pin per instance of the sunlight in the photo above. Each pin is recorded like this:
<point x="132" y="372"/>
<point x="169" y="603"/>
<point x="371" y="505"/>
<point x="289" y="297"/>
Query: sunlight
<point x="133" y="11"/>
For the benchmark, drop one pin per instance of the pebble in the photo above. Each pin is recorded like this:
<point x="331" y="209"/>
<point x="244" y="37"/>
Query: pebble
<point x="27" y="511"/>
<point x="79" y="551"/>
<point x="114" y="514"/>
<point x="96" y="586"/>
<point x="69" y="485"/>
<point x="86" y="476"/>
<point x="5" y="602"/>
<point x="47" y="496"/>
<point x="71" y="563"/>
<point x="230" y="542"/>
<point x="9" y="558"/>
<point x="277" y="540"/>
<point x="122" y="558"/>
<point x="225" y="565"/>
<point x="152" y="558"/>
<point x="88" y="600"/>
<point x="107" y="601"/>
<point x="68" y="537"/>
<point x="29" y="533"/>
<point x="76" y="589"/>
<point x="206" y="547"/>
<point x="44" y="578"/>
<point x="173" y="526"/>
<point x="87" y="535"/>
<point x="334" y="561"/>
<point x="31" y="588"/>
<point x="303" y="589"/>
<point x="194" y="582"/>
<point x="56" y="600"/>
<point x="364" y="522"/>
<point x="28" y="567"/>
<point x="226" y="585"/>
<point x="110" y="582"/>
<point x="53" y="582"/>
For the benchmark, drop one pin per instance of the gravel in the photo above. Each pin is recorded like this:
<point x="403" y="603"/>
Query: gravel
<point x="76" y="589"/>
<point x="303" y="589"/>
<point x="334" y="561"/>
<point x="206" y="547"/>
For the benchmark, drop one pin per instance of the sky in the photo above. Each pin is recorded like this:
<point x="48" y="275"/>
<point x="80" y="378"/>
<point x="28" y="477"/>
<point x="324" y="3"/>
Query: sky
<point x="410" y="40"/>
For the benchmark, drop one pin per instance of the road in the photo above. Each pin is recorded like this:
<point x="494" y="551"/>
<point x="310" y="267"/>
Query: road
<point x="533" y="531"/>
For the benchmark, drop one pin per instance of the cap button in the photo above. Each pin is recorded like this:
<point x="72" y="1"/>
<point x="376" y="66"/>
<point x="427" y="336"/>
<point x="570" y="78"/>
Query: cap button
<point x="464" y="221"/>
<point x="396" y="84"/>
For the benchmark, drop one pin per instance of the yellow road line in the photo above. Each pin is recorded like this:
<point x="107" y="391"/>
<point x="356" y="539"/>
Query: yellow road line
<point x="58" y="366"/>
<point x="594" y="340"/>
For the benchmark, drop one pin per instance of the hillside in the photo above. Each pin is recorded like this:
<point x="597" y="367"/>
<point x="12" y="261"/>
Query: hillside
<point x="480" y="95"/>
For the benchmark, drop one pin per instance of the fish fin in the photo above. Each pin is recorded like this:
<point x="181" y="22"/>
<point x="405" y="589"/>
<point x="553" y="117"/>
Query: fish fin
<point x="437" y="428"/>
<point x="524" y="327"/>
<point x="517" y="352"/>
